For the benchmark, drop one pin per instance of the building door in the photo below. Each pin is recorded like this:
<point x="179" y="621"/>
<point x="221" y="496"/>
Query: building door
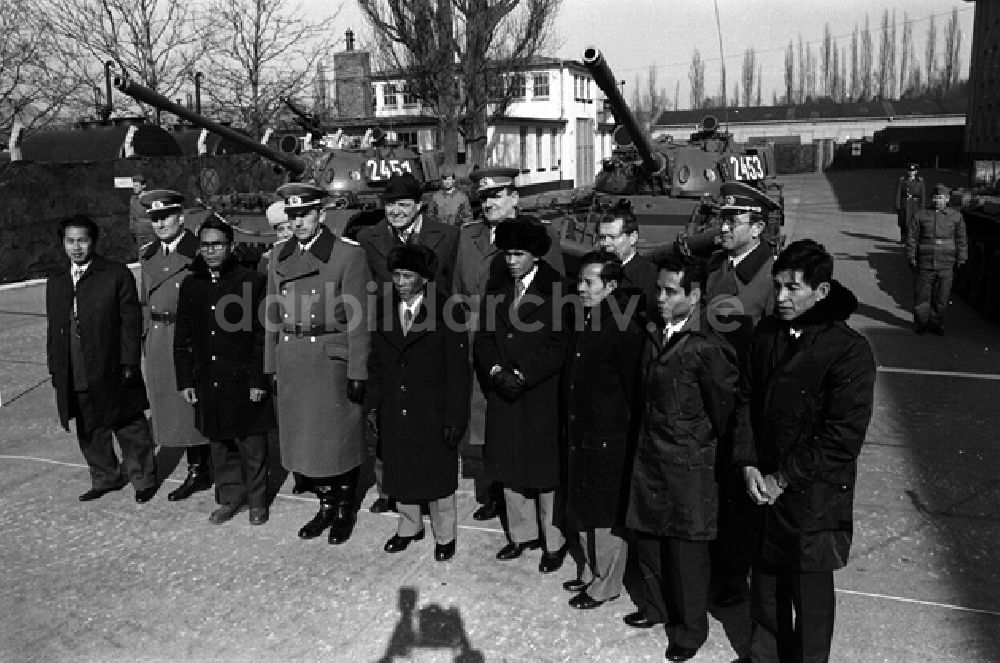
<point x="585" y="163"/>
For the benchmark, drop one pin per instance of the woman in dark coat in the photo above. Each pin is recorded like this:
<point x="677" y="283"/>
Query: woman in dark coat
<point x="417" y="400"/>
<point x="600" y="385"/>
<point x="219" y="360"/>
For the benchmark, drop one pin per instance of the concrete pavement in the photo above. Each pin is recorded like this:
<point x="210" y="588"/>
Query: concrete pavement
<point x="113" y="581"/>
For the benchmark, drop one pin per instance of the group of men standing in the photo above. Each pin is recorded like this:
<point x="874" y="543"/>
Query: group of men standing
<point x="692" y="426"/>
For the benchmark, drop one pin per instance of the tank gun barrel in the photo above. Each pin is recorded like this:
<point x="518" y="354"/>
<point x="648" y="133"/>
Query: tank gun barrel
<point x="304" y="119"/>
<point x="593" y="59"/>
<point x="293" y="164"/>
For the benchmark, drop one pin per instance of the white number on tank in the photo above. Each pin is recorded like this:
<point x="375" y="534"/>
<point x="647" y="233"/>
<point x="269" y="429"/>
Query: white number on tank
<point x="383" y="169"/>
<point x="747" y="167"/>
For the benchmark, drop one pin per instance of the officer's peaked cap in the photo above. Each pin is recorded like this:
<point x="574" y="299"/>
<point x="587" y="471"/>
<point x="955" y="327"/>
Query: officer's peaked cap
<point x="738" y="198"/>
<point x="162" y="202"/>
<point x="299" y="195"/>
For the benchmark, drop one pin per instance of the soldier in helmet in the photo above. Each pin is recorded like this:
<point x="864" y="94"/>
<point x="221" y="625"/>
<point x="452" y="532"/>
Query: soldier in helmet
<point x="166" y="262"/>
<point x="936" y="245"/>
<point x="317" y="351"/>
<point x="911" y="197"/>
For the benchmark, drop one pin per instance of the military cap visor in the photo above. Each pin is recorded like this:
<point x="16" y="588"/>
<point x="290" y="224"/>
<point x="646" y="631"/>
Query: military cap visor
<point x="162" y="202"/>
<point x="300" y="196"/>
<point x="492" y="179"/>
<point x="738" y="198"/>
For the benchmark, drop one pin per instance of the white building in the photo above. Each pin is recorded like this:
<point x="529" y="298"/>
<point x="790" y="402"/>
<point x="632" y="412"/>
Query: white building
<point x="551" y="130"/>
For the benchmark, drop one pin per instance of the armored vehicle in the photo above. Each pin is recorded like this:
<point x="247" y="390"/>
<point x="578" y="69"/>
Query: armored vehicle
<point x="353" y="171"/>
<point x="672" y="185"/>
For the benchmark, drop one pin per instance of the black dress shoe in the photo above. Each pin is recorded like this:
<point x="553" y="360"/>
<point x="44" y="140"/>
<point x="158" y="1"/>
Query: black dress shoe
<point x="575" y="585"/>
<point x="399" y="543"/>
<point x="487" y="511"/>
<point x="197" y="479"/>
<point x="382" y="505"/>
<point x="514" y="550"/>
<point x="144" y="495"/>
<point x="98" y="493"/>
<point x="678" y="653"/>
<point x="259" y="515"/>
<point x="584" y="601"/>
<point x="444" y="551"/>
<point x="552" y="561"/>
<point x="639" y="619"/>
<point x="342" y="525"/>
<point x="224" y="513"/>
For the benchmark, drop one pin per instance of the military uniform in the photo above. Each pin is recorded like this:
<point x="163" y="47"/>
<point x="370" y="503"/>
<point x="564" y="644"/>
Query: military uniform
<point x="935" y="246"/>
<point x="911" y="196"/>
<point x="450" y="207"/>
<point x="317" y="349"/>
<point x="162" y="271"/>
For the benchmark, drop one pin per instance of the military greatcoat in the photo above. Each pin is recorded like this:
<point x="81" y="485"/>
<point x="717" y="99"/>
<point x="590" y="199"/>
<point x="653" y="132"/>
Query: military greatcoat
<point x="317" y="340"/>
<point x="173" y="417"/>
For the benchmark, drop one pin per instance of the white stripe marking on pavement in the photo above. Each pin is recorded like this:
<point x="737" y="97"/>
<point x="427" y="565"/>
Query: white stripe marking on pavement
<point x="940" y="374"/>
<point x="887" y="597"/>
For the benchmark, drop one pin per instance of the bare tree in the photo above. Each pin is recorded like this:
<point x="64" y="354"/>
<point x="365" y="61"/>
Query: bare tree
<point x="32" y="90"/>
<point x="865" y="63"/>
<point x="855" y="66"/>
<point x="843" y="75"/>
<point x="696" y="77"/>
<point x="486" y="44"/>
<point x="826" y="61"/>
<point x="892" y="57"/>
<point x="264" y="50"/>
<point x="810" y="73"/>
<point x="748" y="73"/>
<point x="790" y="73"/>
<point x="834" y="91"/>
<point x="884" y="49"/>
<point x="156" y="42"/>
<point x="760" y="83"/>
<point x="801" y="93"/>
<point x="952" y="57"/>
<point x="930" y="52"/>
<point x="905" y="47"/>
<point x="677" y="94"/>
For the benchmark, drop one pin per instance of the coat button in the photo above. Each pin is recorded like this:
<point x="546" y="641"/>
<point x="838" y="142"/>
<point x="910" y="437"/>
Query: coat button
<point x="213" y="332"/>
<point x="403" y="412"/>
<point x="510" y="335"/>
<point x="213" y="357"/>
<point x="402" y="387"/>
<point x="213" y="307"/>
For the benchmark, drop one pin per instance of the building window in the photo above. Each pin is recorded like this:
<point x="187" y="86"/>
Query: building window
<point x="517" y="86"/>
<point x="409" y="99"/>
<point x="390" y="95"/>
<point x="407" y="138"/>
<point x="539" y="159"/>
<point x="554" y="151"/>
<point x="523" y="163"/>
<point x="540" y="86"/>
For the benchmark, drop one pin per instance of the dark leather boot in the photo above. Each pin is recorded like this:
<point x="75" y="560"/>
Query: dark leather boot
<point x="301" y="484"/>
<point x="323" y="517"/>
<point x="199" y="476"/>
<point x="345" y="513"/>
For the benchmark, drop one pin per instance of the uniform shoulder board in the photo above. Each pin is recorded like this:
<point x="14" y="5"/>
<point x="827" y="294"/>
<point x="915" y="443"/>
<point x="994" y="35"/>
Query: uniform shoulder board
<point x="469" y="224"/>
<point x="148" y="250"/>
<point x="350" y="241"/>
<point x="545" y="222"/>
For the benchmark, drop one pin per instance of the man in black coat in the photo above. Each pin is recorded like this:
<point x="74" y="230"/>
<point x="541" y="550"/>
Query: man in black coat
<point x="688" y="391"/>
<point x="405" y="224"/>
<point x="219" y="361"/>
<point x="618" y="232"/>
<point x="519" y="352"/>
<point x="805" y="400"/>
<point x="94" y="345"/>
<point x="417" y="401"/>
<point x="600" y="385"/>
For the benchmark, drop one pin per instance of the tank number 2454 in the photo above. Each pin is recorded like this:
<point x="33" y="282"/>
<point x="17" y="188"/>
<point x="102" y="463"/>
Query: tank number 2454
<point x="383" y="169"/>
<point x="746" y="167"/>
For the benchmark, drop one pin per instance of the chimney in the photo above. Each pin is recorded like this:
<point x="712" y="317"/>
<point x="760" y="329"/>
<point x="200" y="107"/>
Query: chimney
<point x="352" y="82"/>
<point x="350" y="39"/>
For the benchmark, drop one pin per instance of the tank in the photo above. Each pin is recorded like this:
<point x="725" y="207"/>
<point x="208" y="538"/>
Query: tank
<point x="93" y="141"/>
<point x="672" y="185"/>
<point x="978" y="282"/>
<point x="353" y="171"/>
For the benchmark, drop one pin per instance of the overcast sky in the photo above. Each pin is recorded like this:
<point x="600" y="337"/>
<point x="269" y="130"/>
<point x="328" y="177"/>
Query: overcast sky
<point x="634" y="34"/>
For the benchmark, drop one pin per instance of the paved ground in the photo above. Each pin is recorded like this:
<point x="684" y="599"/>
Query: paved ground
<point x="114" y="581"/>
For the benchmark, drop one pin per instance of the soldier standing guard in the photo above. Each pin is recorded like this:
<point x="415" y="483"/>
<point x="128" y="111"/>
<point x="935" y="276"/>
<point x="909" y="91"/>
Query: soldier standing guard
<point x="138" y="225"/>
<point x="450" y="205"/>
<point x="935" y="247"/>
<point x="317" y="351"/>
<point x="911" y="196"/>
<point x="166" y="261"/>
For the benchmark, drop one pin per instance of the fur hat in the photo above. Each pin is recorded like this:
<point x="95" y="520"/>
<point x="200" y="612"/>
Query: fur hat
<point x="414" y="257"/>
<point x="523" y="234"/>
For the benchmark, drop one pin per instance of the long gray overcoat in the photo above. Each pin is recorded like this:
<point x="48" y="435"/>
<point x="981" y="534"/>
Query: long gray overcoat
<point x="317" y="339"/>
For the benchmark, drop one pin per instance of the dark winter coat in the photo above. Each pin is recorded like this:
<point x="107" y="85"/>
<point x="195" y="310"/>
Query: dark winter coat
<point x="804" y="408"/>
<point x="739" y="296"/>
<point x="419" y="383"/>
<point x="937" y="239"/>
<point x="378" y="240"/>
<point x="600" y="392"/>
<point x="219" y="349"/>
<point x="110" y="322"/>
<point x="522" y="437"/>
<point x="689" y="393"/>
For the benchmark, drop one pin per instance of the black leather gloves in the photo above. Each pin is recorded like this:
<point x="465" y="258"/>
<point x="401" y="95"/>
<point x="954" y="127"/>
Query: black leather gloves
<point x="453" y="435"/>
<point x="507" y="384"/>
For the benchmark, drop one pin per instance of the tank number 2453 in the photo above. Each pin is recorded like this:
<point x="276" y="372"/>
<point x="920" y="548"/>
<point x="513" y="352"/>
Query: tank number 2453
<point x="383" y="169"/>
<point x="746" y="167"/>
